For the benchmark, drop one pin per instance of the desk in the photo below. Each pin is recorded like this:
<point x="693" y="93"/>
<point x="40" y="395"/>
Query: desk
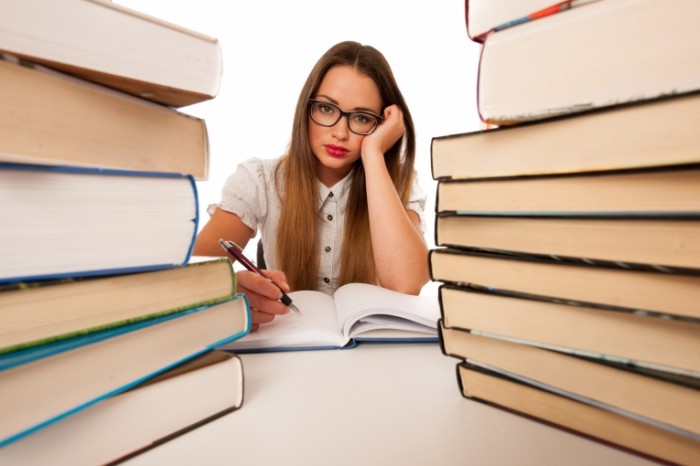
<point x="377" y="404"/>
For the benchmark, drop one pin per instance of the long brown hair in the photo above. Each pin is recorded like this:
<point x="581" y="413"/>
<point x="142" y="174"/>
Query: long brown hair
<point x="297" y="247"/>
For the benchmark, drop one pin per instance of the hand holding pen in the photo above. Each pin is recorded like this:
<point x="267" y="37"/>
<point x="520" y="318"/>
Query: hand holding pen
<point x="234" y="250"/>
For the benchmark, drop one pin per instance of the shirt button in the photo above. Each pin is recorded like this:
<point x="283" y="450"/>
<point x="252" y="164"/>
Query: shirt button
<point x="327" y="249"/>
<point x="329" y="217"/>
<point x="330" y="194"/>
<point x="326" y="279"/>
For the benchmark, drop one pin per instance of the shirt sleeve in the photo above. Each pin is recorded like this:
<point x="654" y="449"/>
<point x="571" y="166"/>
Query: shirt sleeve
<point x="245" y="194"/>
<point x="417" y="201"/>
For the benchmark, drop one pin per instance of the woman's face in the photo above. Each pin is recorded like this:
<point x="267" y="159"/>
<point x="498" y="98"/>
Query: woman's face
<point x="336" y="147"/>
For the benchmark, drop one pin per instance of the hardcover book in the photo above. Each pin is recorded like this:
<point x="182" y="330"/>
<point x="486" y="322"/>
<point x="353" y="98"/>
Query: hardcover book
<point x="53" y="381"/>
<point x="646" y="341"/>
<point x="116" y="429"/>
<point x="50" y="118"/>
<point x="660" y="402"/>
<point x="573" y="416"/>
<point x="655" y="133"/>
<point x="651" y="291"/>
<point x="598" y="55"/>
<point x="36" y="313"/>
<point x="61" y="222"/>
<point x="155" y="60"/>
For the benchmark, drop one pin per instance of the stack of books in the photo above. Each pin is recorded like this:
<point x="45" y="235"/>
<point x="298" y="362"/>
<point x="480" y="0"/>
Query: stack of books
<point x="108" y="329"/>
<point x="569" y="233"/>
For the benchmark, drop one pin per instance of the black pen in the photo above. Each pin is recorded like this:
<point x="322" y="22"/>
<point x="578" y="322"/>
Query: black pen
<point x="236" y="251"/>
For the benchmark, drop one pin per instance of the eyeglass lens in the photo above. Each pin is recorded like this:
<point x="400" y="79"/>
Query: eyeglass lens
<point x="327" y="114"/>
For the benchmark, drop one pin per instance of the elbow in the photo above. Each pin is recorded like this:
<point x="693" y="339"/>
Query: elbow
<point x="407" y="285"/>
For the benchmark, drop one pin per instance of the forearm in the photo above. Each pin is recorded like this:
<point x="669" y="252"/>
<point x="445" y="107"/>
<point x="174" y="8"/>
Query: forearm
<point x="221" y="225"/>
<point x="399" y="248"/>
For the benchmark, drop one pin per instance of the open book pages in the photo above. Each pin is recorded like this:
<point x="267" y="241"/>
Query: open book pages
<point x="357" y="312"/>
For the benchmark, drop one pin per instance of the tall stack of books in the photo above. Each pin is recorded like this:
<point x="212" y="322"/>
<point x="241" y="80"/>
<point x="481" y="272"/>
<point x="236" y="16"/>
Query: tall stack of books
<point x="107" y="328"/>
<point x="569" y="234"/>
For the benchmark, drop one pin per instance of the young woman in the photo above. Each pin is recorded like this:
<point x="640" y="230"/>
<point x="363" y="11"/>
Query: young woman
<point x="342" y="205"/>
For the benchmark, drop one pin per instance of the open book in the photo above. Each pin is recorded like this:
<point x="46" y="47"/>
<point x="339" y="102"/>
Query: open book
<point x="357" y="312"/>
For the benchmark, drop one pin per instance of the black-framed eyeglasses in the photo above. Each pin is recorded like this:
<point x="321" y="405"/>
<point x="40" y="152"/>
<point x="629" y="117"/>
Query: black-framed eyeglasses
<point x="327" y="114"/>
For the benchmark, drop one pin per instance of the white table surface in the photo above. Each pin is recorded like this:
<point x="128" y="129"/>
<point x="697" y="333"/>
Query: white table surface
<point x="377" y="404"/>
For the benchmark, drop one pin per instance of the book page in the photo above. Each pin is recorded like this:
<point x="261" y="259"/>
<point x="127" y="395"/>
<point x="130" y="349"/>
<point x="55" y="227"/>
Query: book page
<point x="366" y="308"/>
<point x="316" y="326"/>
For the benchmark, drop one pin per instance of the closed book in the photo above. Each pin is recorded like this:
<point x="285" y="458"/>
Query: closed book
<point x="651" y="291"/>
<point x="673" y="191"/>
<point x="663" y="403"/>
<point x="573" y="416"/>
<point x="661" y="242"/>
<point x="36" y="313"/>
<point x="483" y="16"/>
<point x="66" y="222"/>
<point x="87" y="369"/>
<point x="648" y="341"/>
<point x="601" y="54"/>
<point x="113" y="430"/>
<point x="653" y="133"/>
<point x="51" y="118"/>
<point x="103" y="42"/>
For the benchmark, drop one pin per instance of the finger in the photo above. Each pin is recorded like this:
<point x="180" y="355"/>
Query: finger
<point x="278" y="278"/>
<point x="265" y="305"/>
<point x="255" y="284"/>
<point x="258" y="317"/>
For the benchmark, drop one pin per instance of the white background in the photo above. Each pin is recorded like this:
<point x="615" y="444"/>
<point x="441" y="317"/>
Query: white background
<point x="269" y="47"/>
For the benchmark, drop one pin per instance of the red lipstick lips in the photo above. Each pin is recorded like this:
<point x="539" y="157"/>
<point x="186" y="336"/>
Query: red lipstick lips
<point x="335" y="151"/>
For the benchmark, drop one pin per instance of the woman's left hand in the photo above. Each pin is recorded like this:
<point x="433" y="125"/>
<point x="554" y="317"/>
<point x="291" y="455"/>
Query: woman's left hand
<point x="386" y="134"/>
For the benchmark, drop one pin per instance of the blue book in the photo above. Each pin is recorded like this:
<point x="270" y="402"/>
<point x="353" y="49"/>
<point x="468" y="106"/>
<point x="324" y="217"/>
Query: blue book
<point x="69" y="222"/>
<point x="44" y="384"/>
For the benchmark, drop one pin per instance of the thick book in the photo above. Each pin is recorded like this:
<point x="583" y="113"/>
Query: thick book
<point x="82" y="371"/>
<point x="50" y="118"/>
<point x="113" y="430"/>
<point x="660" y="242"/>
<point x="576" y="417"/>
<point x="654" y="133"/>
<point x="647" y="341"/>
<point x="356" y="312"/>
<point x="651" y="291"/>
<point x="602" y="54"/>
<point x="35" y="313"/>
<point x="483" y="16"/>
<point x="103" y="42"/>
<point x="665" y="404"/>
<point x="63" y="222"/>
<point x="674" y="191"/>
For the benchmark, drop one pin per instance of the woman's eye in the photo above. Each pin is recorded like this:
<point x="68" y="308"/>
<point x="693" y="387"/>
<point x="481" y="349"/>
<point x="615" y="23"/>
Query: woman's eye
<point x="362" y="118"/>
<point x="326" y="108"/>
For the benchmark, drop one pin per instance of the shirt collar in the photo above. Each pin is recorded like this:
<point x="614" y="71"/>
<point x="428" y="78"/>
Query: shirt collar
<point x="337" y="193"/>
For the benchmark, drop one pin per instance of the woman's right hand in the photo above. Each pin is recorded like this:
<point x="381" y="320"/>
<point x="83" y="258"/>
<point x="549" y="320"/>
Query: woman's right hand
<point x="263" y="295"/>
